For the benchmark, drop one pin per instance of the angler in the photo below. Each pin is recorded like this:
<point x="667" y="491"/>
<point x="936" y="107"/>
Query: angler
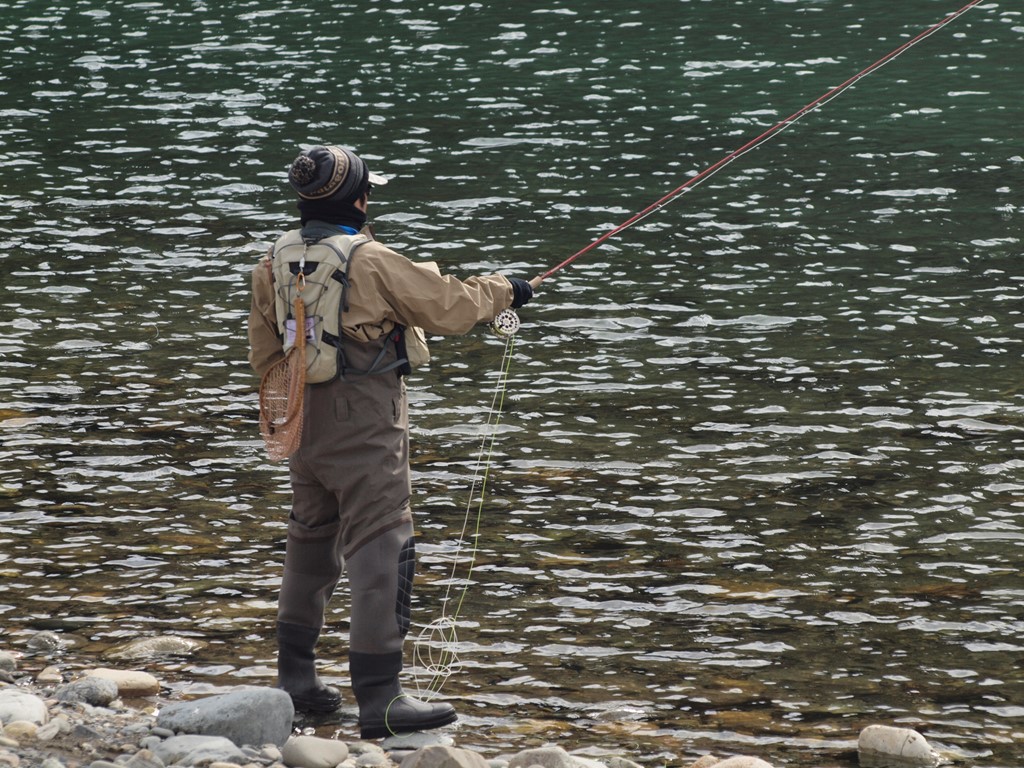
<point x="350" y="475"/>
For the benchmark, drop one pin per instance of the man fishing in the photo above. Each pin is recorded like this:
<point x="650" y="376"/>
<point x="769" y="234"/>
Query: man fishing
<point x="350" y="474"/>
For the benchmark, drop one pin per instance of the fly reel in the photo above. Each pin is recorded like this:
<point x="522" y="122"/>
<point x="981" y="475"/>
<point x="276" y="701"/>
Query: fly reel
<point x="506" y="323"/>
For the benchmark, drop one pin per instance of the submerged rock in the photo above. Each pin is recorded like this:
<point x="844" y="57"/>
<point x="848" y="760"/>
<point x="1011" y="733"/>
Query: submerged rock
<point x="148" y="647"/>
<point x="882" y="746"/>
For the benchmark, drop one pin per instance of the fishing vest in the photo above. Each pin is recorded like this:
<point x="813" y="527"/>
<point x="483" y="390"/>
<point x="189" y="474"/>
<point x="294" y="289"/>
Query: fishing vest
<point x="317" y="270"/>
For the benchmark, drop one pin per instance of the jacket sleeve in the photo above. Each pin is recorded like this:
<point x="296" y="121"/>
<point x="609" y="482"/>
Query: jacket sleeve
<point x="441" y="304"/>
<point x="265" y="347"/>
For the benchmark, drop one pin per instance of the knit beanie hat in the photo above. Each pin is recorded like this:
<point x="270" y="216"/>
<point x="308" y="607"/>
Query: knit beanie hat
<point x="331" y="173"/>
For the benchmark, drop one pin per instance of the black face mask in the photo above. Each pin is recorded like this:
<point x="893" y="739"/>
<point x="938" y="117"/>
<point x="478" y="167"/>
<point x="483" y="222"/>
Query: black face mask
<point x="333" y="212"/>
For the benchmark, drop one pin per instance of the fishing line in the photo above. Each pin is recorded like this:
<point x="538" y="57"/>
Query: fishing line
<point x="436" y="648"/>
<point x="754" y="143"/>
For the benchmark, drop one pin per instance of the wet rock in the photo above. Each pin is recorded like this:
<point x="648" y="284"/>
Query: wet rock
<point x="620" y="762"/>
<point x="18" y="705"/>
<point x="410" y="742"/>
<point x="45" y="642"/>
<point x="440" y="756"/>
<point x="313" y="752"/>
<point x="882" y="746"/>
<point x="148" y="647"/>
<point x="198" y="750"/>
<point x="130" y="684"/>
<point x="95" y="691"/>
<point x="7" y="662"/>
<point x="246" y="716"/>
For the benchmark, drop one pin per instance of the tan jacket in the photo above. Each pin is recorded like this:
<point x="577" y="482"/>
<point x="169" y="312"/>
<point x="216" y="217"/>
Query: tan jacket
<point x="386" y="289"/>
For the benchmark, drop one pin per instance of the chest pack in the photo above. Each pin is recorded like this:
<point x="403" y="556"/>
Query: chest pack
<point x="317" y="272"/>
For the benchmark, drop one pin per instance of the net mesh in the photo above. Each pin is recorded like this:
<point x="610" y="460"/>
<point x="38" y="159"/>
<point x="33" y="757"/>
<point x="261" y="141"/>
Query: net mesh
<point x="281" y="394"/>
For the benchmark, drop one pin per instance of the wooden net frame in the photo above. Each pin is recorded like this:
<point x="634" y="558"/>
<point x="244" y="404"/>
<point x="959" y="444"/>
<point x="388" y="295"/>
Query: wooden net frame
<point x="282" y="391"/>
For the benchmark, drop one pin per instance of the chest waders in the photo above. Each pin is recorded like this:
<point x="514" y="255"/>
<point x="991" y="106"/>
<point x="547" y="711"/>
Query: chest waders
<point x="380" y="568"/>
<point x="317" y="270"/>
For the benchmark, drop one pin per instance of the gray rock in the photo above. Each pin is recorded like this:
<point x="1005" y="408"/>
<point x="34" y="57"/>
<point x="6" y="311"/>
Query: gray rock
<point x="49" y="731"/>
<point x="440" y="756"/>
<point x="7" y="662"/>
<point x="371" y="760"/>
<point x="249" y="715"/>
<point x="18" y="705"/>
<point x="144" y="759"/>
<point x="84" y="732"/>
<point x="196" y="750"/>
<point x="95" y="691"/>
<point x="546" y="757"/>
<point x="45" y="641"/>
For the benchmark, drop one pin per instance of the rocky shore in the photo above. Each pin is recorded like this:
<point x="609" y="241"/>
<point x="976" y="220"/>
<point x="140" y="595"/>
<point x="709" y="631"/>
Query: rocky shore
<point x="48" y="721"/>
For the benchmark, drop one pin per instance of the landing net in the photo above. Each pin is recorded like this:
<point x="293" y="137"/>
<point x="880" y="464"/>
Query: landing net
<point x="281" y="394"/>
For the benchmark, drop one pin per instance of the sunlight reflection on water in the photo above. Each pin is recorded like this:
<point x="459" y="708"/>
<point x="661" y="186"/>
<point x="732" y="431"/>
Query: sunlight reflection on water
<point x="756" y="484"/>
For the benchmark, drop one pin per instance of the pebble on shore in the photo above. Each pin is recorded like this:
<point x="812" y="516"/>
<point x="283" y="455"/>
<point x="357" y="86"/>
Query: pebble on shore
<point x="85" y="724"/>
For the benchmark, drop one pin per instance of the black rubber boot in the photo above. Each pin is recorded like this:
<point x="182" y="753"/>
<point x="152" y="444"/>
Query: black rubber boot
<point x="381" y="574"/>
<point x="296" y="670"/>
<point x="384" y="708"/>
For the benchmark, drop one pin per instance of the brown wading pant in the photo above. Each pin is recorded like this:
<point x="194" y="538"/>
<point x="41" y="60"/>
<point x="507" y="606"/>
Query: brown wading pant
<point x="351" y="484"/>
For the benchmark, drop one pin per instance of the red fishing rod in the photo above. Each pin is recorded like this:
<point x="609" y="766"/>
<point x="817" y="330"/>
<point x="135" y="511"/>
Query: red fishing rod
<point x="780" y="126"/>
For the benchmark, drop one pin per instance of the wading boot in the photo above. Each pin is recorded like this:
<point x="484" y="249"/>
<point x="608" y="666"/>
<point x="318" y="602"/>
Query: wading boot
<point x="384" y="708"/>
<point x="296" y="670"/>
<point x="380" y="576"/>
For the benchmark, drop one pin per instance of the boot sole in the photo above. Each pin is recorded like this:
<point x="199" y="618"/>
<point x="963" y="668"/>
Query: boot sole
<point x="382" y="730"/>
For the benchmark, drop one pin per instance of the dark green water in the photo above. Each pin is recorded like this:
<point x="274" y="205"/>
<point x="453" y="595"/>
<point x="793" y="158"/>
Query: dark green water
<point x="759" y="480"/>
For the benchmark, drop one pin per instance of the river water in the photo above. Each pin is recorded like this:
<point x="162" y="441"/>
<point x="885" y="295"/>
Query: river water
<point x="758" y="480"/>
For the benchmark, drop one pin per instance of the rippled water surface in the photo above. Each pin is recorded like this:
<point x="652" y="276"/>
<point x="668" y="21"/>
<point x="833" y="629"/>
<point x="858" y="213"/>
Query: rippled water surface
<point x="758" y="482"/>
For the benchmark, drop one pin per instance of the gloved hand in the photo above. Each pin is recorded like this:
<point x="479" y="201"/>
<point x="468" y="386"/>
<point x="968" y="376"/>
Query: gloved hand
<point x="522" y="292"/>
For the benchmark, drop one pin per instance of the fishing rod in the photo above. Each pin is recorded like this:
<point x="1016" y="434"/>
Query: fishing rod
<point x="780" y="126"/>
